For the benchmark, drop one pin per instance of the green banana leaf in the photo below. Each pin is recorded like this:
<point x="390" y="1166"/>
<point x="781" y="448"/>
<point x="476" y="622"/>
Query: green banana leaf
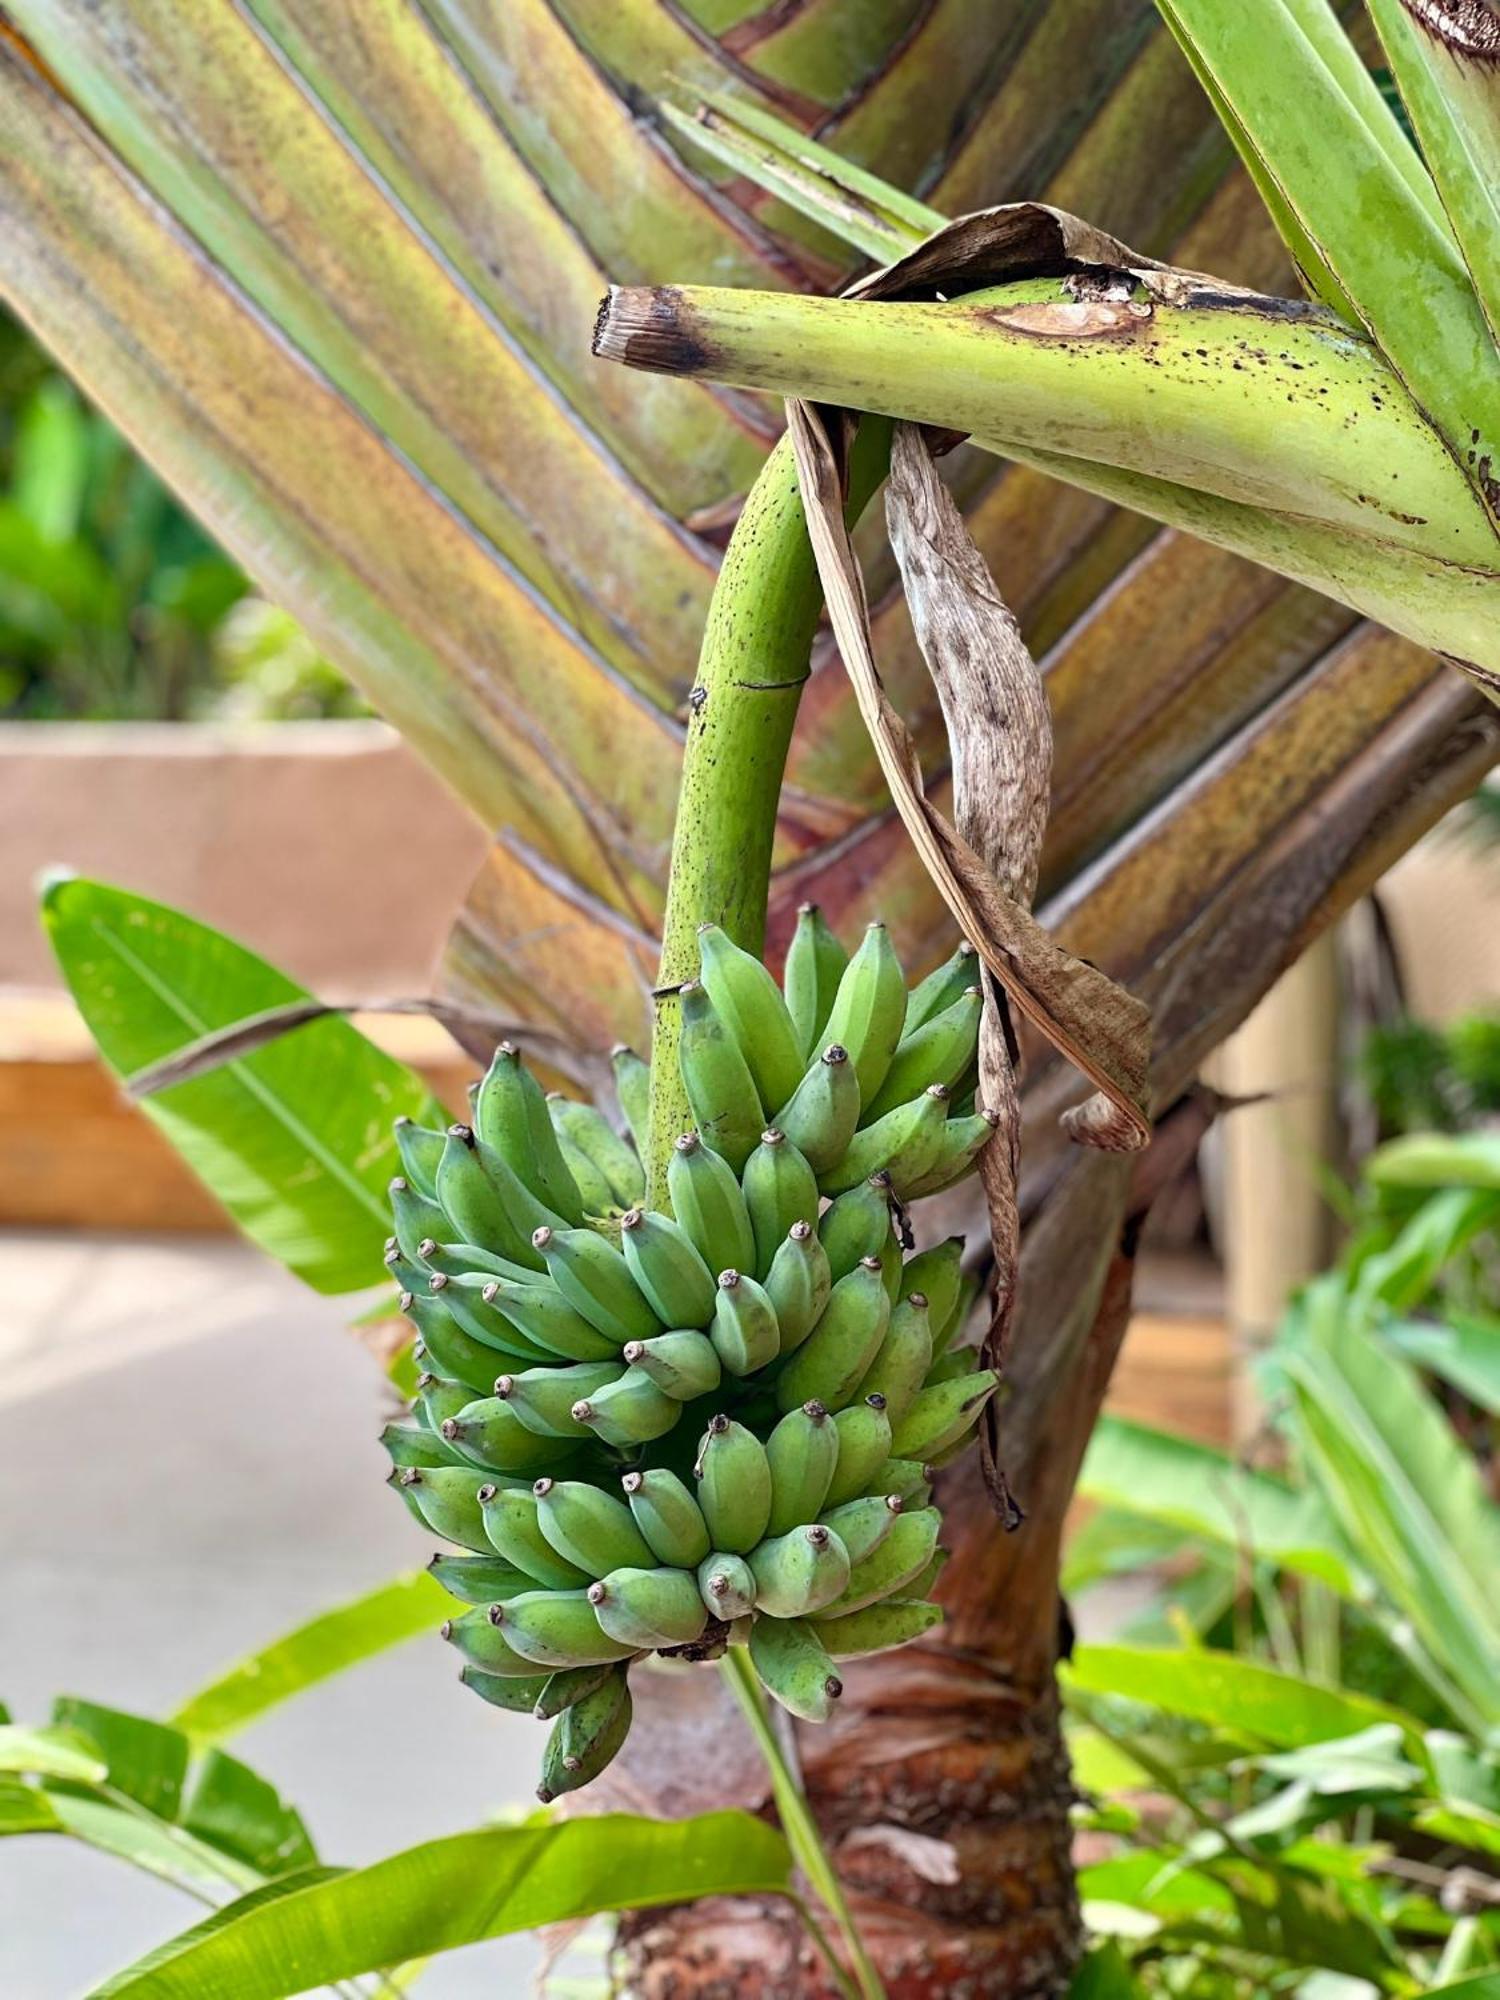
<point x="453" y="1892"/>
<point x="294" y="1139"/>
<point x="1463" y="1349"/>
<point x="1105" y="1975"/>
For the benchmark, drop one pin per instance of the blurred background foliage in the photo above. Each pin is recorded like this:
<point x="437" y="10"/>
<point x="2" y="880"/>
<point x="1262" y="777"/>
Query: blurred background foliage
<point x="114" y="604"/>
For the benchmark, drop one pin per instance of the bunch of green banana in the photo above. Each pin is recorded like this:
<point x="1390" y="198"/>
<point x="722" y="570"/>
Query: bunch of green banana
<point x="666" y="1433"/>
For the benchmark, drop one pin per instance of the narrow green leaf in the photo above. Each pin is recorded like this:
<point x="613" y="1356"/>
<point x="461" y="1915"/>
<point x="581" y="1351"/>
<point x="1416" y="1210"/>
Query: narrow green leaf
<point x="156" y="1846"/>
<point x="1437" y="1159"/>
<point x="453" y="1892"/>
<point x="324" y="1646"/>
<point x="51" y="1753"/>
<point x="1463" y="1349"/>
<point x="235" y="1810"/>
<point x="1404" y="1273"/>
<point x="23" y="1809"/>
<point x="1483" y="1986"/>
<point x="145" y="1760"/>
<point x="295" y="1140"/>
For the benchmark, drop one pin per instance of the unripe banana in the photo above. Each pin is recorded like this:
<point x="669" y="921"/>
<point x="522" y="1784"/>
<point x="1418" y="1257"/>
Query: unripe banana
<point x="856" y="1225"/>
<point x="903" y="1144"/>
<point x="795" y="1667"/>
<point x="798" y="1284"/>
<point x="958" y="1361"/>
<point x="707" y="1201"/>
<point x="478" y="1207"/>
<point x="869" y="1010"/>
<point x="940" y="1051"/>
<point x="512" y="1120"/>
<point x="744" y="1329"/>
<point x="891" y="1567"/>
<point x="863" y="1524"/>
<point x="570" y="1685"/>
<point x="905" y="1478"/>
<point x="649" y="1608"/>
<point x="827" y="1367"/>
<point x="546" y="1319"/>
<point x="891" y="1266"/>
<point x="893" y="1622"/>
<point x="436" y="1400"/>
<point x="748" y="1002"/>
<point x="519" y="1694"/>
<point x="543" y="1398"/>
<point x="489" y="1434"/>
<point x="802" y="1452"/>
<point x="479" y="1579"/>
<point x="459" y="1260"/>
<point x="940" y="989"/>
<point x="798" y="1572"/>
<point x="899" y="1370"/>
<point x="557" y="1628"/>
<point x="584" y="1739"/>
<point x="955" y="1325"/>
<point x="925" y="1582"/>
<point x="443" y="1498"/>
<point x="734" y="1485"/>
<point x="512" y="1523"/>
<point x="595" y="1194"/>
<point x="633" y="1088"/>
<point x="726" y="1586"/>
<point x="668" y="1517"/>
<point x="628" y="1412"/>
<point x="780" y="1188"/>
<point x="820" y="1115"/>
<point x="942" y="1415"/>
<point x="589" y="1527"/>
<point x="595" y="1279"/>
<point x="452" y="1351"/>
<point x="463" y="1298"/>
<point x="815" y="962"/>
<point x="725" y="1102"/>
<point x="963" y="1140"/>
<point x="414" y="1218"/>
<point x="481" y="1642"/>
<point x="420" y="1151"/>
<point x="587" y="1129"/>
<point x="937" y="1274"/>
<point x="683" y="1364"/>
<point x="864" y="1432"/>
<point x="668" y="1268"/>
<point x="414" y="1444"/>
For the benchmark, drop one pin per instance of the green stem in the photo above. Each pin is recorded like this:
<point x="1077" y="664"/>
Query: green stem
<point x="800" y="1827"/>
<point x="756" y="649"/>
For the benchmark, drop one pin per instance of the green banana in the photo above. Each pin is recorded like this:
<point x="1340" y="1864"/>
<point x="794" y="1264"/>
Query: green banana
<point x="437" y="1399"/>
<point x="903" y="1144"/>
<point x="820" y="1115"/>
<point x="414" y="1444"/>
<point x="798" y="1284"/>
<point x="633" y="1088"/>
<point x="748" y="1002"/>
<point x="543" y="1398"/>
<point x="420" y="1151"/>
<point x="460" y="1260"/>
<point x="668" y="1268"/>
<point x="744" y="1330"/>
<point x="415" y="1218"/>
<point x="443" y="1498"/>
<point x="937" y="1275"/>
<point x="900" y="1368"/>
<point x="586" y="1128"/>
<point x="452" y="1352"/>
<point x="512" y="1524"/>
<point x="589" y="1527"/>
<point x="780" y="1188"/>
<point x="942" y="1414"/>
<point x="683" y="1364"/>
<point x="511" y="1119"/>
<point x="815" y="962"/>
<point x="795" y="1667"/>
<point x="958" y="1361"/>
<point x="802" y="1452"/>
<point x="962" y="1141"/>
<point x="894" y="1622"/>
<point x="798" y="1572"/>
<point x="827" y="1367"/>
<point x="584" y="1739"/>
<point x="476" y="1209"/>
<point x="482" y="1643"/>
<point x="628" y="1412"/>
<point x="668" y="1517"/>
<point x="519" y="1693"/>
<point x="570" y="1685"/>
<point x="725" y="1103"/>
<point x="734" y="1485"/>
<point x="706" y="1200"/>
<point x="891" y="1264"/>
<point x="925" y="1582"/>
<point x="864" y="1432"/>
<point x="939" y="990"/>
<point x="594" y="1278"/>
<point x="463" y="1298"/>
<point x="907" y="1479"/>
<point x="649" y="1608"/>
<point x="946" y="1331"/>
<point x="863" y="1524"/>
<point x="726" y="1585"/>
<point x="856" y="1225"/>
<point x="595" y="1194"/>
<point x="544" y="1316"/>
<point x="940" y="1051"/>
<point x="557" y="1628"/>
<point x="489" y="1434"/>
<point x="903" y="1555"/>
<point x="869" y="1010"/>
<point x="479" y="1579"/>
